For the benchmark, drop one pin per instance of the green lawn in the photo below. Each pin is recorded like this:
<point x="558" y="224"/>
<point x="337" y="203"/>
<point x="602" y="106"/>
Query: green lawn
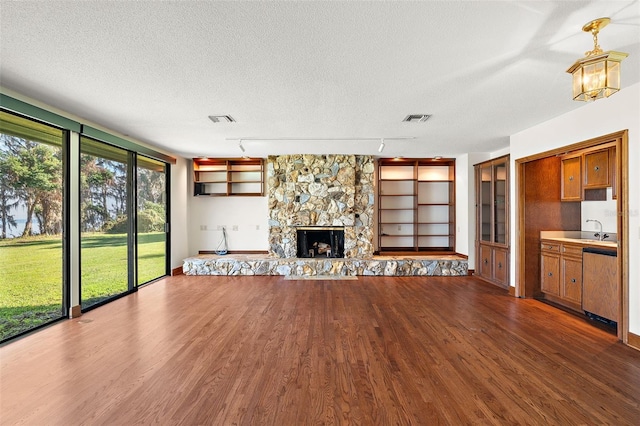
<point x="31" y="275"/>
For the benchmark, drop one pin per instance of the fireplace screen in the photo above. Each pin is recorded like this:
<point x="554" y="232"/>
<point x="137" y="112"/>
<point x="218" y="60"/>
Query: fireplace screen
<point x="320" y="242"/>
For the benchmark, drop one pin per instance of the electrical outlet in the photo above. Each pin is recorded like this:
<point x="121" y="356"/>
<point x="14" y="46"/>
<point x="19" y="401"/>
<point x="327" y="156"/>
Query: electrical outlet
<point x="257" y="227"/>
<point x="203" y="227"/>
<point x="399" y="227"/>
<point x="234" y="228"/>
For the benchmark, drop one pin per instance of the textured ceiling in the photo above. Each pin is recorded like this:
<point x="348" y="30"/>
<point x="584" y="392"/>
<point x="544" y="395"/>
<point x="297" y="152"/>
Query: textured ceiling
<point x="298" y="71"/>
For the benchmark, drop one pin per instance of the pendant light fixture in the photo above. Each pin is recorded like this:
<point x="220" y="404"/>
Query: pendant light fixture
<point x="597" y="75"/>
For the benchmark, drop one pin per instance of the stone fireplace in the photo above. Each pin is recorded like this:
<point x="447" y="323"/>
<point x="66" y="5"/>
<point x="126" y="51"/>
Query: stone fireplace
<point x="307" y="191"/>
<point x="320" y="241"/>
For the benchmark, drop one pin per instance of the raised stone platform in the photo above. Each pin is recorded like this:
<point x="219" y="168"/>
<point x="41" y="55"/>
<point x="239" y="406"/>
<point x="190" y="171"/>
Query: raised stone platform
<point x="252" y="264"/>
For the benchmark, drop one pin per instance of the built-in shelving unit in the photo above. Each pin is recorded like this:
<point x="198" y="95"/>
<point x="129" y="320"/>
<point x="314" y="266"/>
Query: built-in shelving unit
<point x="228" y="176"/>
<point x="492" y="220"/>
<point x="416" y="205"/>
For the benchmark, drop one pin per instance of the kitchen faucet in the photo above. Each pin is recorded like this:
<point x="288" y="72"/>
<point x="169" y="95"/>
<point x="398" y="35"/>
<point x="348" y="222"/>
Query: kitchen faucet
<point x="600" y="235"/>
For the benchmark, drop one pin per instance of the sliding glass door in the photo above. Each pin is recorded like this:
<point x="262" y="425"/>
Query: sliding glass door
<point x="151" y="219"/>
<point x="105" y="193"/>
<point x="32" y="212"/>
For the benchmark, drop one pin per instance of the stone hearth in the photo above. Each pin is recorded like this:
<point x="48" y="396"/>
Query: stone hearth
<point x="378" y="266"/>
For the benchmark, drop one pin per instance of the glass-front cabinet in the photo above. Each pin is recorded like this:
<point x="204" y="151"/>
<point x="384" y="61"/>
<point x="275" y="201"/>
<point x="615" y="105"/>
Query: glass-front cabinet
<point x="492" y="220"/>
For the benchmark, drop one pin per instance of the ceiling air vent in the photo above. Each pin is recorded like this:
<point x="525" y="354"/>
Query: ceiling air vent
<point x="416" y="118"/>
<point x="222" y="118"/>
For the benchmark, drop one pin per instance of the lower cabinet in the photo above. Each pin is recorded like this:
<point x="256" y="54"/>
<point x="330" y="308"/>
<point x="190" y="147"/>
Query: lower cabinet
<point x="561" y="273"/>
<point x="571" y="269"/>
<point x="550" y="268"/>
<point x="493" y="264"/>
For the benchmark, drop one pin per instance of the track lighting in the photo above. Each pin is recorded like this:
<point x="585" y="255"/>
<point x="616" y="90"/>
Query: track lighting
<point x="241" y="147"/>
<point x="381" y="147"/>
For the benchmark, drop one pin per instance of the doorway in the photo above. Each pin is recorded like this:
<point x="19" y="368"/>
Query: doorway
<point x="538" y="197"/>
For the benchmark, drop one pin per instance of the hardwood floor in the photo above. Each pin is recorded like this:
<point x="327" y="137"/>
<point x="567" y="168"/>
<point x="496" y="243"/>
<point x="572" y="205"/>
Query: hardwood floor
<point x="376" y="351"/>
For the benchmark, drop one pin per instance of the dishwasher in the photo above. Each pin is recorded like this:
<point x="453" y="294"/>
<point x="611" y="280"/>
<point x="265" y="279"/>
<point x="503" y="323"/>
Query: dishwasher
<point x="600" y="290"/>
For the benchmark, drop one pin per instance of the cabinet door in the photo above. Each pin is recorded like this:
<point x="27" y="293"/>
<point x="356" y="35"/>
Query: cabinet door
<point x="485" y="203"/>
<point x="485" y="261"/>
<point x="571" y="181"/>
<point x="596" y="169"/>
<point x="500" y="203"/>
<point x="500" y="266"/>
<point x="572" y="280"/>
<point x="550" y="274"/>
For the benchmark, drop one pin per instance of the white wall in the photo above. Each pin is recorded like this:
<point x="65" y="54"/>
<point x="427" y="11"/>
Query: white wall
<point x="620" y="111"/>
<point x="245" y="219"/>
<point x="179" y="216"/>
<point x="604" y="211"/>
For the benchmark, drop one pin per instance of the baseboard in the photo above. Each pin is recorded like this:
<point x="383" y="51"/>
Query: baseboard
<point x="512" y="291"/>
<point x="471" y="272"/>
<point x="234" y="252"/>
<point x="75" y="311"/>
<point x="633" y="340"/>
<point x="177" y="271"/>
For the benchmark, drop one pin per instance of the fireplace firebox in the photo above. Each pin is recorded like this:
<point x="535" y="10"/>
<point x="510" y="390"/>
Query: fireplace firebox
<point x="320" y="241"/>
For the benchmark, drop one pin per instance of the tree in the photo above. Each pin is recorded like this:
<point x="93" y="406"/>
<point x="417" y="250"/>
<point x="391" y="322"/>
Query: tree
<point x="8" y="200"/>
<point x="35" y="173"/>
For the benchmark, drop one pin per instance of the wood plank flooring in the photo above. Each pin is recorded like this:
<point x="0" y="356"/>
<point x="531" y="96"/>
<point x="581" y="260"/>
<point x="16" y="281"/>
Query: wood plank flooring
<point x="376" y="351"/>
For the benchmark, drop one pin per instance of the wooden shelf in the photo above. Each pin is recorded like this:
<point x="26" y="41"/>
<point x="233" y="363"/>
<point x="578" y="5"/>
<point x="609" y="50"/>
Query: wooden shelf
<point x="228" y="177"/>
<point x="419" y="196"/>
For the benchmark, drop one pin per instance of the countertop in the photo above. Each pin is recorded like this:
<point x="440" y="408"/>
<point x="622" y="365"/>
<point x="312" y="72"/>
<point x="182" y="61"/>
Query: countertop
<point x="585" y="239"/>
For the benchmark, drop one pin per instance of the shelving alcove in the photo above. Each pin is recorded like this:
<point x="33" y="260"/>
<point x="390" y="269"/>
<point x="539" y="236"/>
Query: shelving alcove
<point x="225" y="177"/>
<point x="416" y="205"/>
<point x="492" y="220"/>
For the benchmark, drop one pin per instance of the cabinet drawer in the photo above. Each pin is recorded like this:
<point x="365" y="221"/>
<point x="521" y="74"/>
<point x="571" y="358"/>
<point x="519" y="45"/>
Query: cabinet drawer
<point x="571" y="250"/>
<point x="549" y="246"/>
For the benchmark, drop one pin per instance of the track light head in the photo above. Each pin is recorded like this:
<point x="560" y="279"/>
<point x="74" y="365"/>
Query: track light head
<point x="381" y="147"/>
<point x="241" y="147"/>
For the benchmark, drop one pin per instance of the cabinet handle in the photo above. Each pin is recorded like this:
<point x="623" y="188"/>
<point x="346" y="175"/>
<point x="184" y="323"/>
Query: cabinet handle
<point x="570" y="177"/>
<point x="573" y="280"/>
<point x="549" y="247"/>
<point x="550" y="274"/>
<point x="486" y="261"/>
<point x="596" y="168"/>
<point x="499" y="265"/>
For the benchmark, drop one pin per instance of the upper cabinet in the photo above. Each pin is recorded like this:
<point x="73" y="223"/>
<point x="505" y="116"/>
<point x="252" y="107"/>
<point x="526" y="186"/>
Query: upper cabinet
<point x="416" y="205"/>
<point x="587" y="173"/>
<point x="571" y="175"/>
<point x="596" y="169"/>
<point x="228" y="176"/>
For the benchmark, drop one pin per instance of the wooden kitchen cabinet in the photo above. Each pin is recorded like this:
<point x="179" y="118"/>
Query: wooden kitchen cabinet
<point x="571" y="274"/>
<point x="596" y="169"/>
<point x="550" y="268"/>
<point x="571" y="175"/>
<point x="586" y="174"/>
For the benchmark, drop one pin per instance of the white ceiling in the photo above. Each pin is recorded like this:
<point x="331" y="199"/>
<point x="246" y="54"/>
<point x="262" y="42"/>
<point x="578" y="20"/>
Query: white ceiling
<point x="309" y="70"/>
